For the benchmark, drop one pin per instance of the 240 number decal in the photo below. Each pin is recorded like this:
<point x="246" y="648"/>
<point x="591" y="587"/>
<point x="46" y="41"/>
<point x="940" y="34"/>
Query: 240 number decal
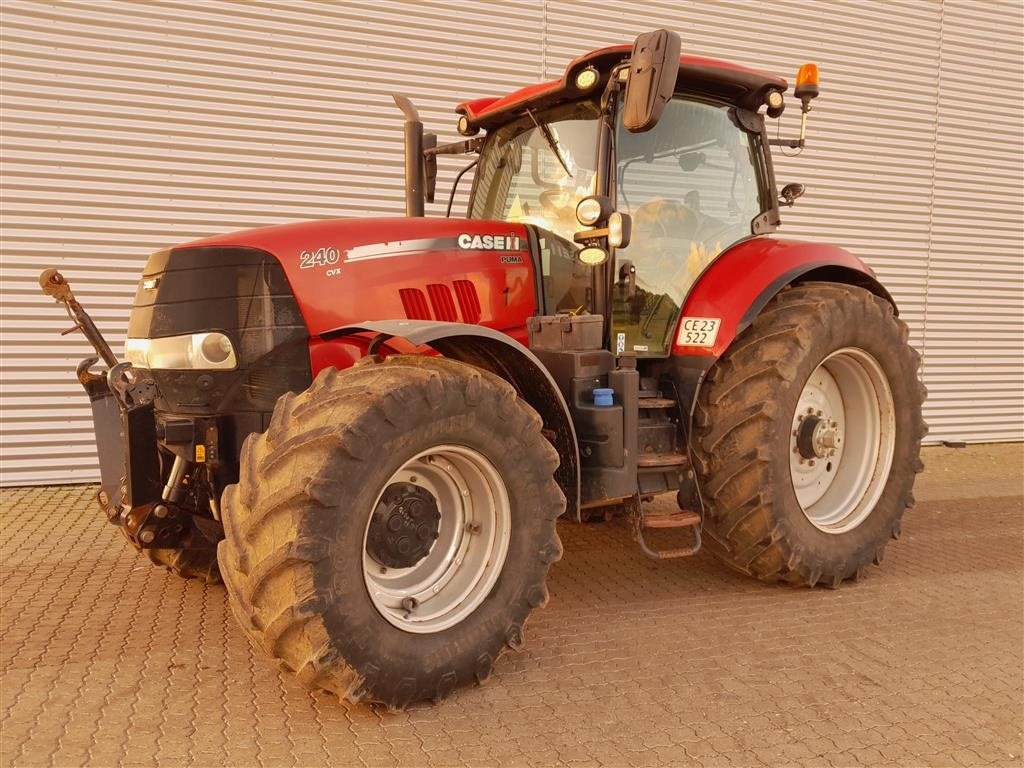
<point x="321" y="257"/>
<point x="698" y="331"/>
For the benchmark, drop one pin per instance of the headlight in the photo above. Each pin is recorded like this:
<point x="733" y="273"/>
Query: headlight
<point x="588" y="211"/>
<point x="193" y="351"/>
<point x="591" y="210"/>
<point x="619" y="229"/>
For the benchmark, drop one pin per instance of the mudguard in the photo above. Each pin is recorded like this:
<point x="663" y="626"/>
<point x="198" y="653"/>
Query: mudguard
<point x="735" y="287"/>
<point x="505" y="357"/>
<point x="743" y="279"/>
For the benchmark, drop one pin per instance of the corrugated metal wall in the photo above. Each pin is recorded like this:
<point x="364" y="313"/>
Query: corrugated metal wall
<point x="128" y="126"/>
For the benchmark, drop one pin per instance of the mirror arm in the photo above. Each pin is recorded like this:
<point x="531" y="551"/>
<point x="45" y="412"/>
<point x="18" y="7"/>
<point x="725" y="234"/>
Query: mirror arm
<point x="467" y="147"/>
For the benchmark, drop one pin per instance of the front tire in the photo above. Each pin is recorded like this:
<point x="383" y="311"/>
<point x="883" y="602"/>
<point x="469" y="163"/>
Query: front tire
<point x="342" y="535"/>
<point x="807" y="437"/>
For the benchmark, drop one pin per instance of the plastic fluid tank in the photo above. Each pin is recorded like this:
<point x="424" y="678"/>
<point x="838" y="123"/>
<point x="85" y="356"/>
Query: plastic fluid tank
<point x="604" y="397"/>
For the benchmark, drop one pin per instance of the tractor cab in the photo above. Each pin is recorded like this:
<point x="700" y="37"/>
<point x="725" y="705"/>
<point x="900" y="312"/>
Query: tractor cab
<point x="689" y="187"/>
<point x="635" y="169"/>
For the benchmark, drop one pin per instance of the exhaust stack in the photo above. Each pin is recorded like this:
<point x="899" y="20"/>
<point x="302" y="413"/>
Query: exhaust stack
<point x="414" y="197"/>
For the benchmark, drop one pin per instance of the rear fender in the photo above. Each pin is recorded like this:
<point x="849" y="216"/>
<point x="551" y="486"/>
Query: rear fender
<point x="744" y="278"/>
<point x="741" y="281"/>
<point x="505" y="357"/>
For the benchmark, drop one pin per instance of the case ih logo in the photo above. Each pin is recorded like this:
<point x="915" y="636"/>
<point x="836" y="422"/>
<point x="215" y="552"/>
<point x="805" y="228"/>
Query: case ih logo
<point x="489" y="242"/>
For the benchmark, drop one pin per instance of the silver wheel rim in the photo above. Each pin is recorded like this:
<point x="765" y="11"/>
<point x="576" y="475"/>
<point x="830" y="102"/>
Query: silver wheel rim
<point x="458" y="572"/>
<point x="842" y="440"/>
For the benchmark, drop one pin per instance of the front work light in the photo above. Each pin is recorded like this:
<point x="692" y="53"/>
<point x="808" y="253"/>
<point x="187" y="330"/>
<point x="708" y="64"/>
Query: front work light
<point x="586" y="78"/>
<point x="465" y="128"/>
<point x="593" y="256"/>
<point x="189" y="352"/>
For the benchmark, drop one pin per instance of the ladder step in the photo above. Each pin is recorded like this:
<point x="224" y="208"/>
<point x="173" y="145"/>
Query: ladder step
<point x="675" y="520"/>
<point x="662" y="460"/>
<point x="657" y="402"/>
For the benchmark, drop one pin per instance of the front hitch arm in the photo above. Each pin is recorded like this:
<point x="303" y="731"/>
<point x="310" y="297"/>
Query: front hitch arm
<point x="130" y="389"/>
<point x="53" y="284"/>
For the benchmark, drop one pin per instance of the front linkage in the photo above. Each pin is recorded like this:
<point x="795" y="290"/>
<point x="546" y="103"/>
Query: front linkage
<point x="132" y="494"/>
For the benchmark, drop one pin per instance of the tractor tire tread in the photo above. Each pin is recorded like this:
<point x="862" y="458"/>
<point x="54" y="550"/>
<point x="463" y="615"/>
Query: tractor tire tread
<point x="277" y="519"/>
<point x="731" y="436"/>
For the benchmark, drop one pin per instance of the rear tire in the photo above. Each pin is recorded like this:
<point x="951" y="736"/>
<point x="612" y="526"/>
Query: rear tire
<point x="299" y="529"/>
<point x="801" y="505"/>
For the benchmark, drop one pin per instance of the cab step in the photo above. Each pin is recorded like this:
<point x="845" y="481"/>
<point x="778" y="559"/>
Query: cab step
<point x="682" y="519"/>
<point x="657" y="402"/>
<point x="662" y="460"/>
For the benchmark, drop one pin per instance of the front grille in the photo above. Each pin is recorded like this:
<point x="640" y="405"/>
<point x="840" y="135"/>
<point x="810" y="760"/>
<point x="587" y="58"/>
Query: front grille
<point x="242" y="292"/>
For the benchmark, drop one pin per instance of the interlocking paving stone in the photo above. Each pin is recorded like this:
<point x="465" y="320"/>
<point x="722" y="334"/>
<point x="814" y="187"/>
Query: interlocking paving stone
<point x="107" y="660"/>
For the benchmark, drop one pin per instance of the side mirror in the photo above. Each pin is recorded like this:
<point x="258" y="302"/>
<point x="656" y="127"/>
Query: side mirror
<point x="653" y="68"/>
<point x="789" y="193"/>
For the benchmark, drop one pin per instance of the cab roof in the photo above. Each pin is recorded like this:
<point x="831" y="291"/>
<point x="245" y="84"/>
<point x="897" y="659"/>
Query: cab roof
<point x="734" y="83"/>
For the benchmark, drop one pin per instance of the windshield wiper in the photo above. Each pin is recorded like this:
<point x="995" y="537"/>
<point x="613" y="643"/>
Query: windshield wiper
<point x="549" y="137"/>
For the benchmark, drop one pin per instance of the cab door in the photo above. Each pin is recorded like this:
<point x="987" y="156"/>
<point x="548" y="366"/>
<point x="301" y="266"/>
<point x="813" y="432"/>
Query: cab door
<point x="691" y="185"/>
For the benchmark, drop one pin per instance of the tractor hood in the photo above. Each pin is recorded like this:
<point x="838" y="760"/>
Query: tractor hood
<point x="352" y="270"/>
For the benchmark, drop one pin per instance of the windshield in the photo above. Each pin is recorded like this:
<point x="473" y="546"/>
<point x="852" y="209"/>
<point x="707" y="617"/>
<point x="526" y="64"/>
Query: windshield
<point x="522" y="179"/>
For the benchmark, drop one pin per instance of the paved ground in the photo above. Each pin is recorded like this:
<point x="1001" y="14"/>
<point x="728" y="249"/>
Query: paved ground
<point x="107" y="660"/>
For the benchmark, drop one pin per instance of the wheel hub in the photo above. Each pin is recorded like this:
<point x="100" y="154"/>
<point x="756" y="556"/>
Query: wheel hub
<point x="817" y="437"/>
<point x="456" y="516"/>
<point x="404" y="526"/>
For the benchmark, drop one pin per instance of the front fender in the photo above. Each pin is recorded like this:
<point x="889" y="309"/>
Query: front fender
<point x="505" y="357"/>
<point x="745" y="277"/>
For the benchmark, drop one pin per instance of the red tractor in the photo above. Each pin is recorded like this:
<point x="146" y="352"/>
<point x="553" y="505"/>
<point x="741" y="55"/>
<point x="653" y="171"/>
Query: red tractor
<point x="368" y="428"/>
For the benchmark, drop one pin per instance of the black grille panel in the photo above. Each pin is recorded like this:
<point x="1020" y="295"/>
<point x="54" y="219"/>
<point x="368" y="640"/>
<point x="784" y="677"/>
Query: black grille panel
<point x="242" y="292"/>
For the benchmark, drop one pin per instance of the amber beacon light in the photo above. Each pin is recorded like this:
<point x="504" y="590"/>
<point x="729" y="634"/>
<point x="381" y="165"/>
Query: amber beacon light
<point x="806" y="83"/>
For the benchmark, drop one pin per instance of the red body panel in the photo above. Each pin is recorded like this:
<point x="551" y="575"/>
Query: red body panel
<point x="396" y="268"/>
<point x="749" y="271"/>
